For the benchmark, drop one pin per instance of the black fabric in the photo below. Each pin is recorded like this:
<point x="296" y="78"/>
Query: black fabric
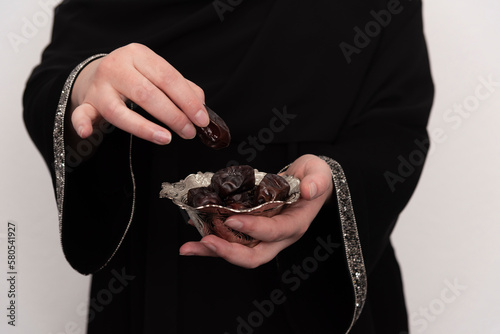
<point x="266" y="64"/>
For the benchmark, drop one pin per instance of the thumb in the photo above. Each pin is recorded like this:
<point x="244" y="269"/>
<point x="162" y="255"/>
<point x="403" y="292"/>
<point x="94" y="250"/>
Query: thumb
<point x="316" y="180"/>
<point x="82" y="119"/>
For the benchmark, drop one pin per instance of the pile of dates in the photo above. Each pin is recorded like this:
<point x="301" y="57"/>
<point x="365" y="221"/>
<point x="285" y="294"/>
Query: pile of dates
<point x="234" y="187"/>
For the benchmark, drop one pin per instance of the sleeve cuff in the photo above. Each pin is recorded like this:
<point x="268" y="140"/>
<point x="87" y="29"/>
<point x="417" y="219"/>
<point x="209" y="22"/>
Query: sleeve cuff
<point x="60" y="164"/>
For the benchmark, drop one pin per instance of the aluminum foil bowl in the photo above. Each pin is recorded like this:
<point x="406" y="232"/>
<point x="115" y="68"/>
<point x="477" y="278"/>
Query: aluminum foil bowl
<point x="209" y="219"/>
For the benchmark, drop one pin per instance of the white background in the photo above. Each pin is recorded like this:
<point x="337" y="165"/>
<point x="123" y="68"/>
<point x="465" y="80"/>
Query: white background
<point x="447" y="236"/>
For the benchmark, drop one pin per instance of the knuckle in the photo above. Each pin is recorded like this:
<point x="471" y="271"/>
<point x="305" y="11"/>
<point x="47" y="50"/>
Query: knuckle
<point x="134" y="47"/>
<point x="112" y="112"/>
<point x="310" y="156"/>
<point x="276" y="234"/>
<point x="168" y="76"/>
<point x="200" y="93"/>
<point x="106" y="67"/>
<point x="141" y="129"/>
<point x="142" y="92"/>
<point x="163" y="72"/>
<point x="177" y="120"/>
<point x="191" y="103"/>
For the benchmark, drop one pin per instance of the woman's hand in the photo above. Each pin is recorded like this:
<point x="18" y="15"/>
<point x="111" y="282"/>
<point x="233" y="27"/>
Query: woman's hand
<point x="277" y="232"/>
<point x="135" y="72"/>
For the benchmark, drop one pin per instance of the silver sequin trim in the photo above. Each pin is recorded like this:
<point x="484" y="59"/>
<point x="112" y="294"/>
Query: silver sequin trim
<point x="352" y="246"/>
<point x="60" y="150"/>
<point x="350" y="235"/>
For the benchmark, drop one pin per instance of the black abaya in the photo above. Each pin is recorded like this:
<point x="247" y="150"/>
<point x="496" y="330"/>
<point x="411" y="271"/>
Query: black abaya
<point x="301" y="68"/>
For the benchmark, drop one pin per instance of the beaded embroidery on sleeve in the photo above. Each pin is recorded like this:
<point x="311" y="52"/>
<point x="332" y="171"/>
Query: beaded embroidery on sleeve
<point x="352" y="245"/>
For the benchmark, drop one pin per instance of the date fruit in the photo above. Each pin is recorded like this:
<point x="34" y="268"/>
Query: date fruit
<point x="240" y="201"/>
<point x="272" y="188"/>
<point x="233" y="179"/>
<point x="216" y="134"/>
<point x="202" y="196"/>
<point x="234" y="187"/>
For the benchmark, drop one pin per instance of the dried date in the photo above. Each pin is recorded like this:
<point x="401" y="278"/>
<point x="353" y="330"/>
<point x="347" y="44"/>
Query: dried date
<point x="234" y="187"/>
<point x="216" y="134"/>
<point x="272" y="188"/>
<point x="240" y="200"/>
<point x="233" y="179"/>
<point x="202" y="196"/>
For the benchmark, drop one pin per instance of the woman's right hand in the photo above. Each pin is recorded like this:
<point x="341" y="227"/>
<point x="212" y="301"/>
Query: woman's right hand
<point x="134" y="72"/>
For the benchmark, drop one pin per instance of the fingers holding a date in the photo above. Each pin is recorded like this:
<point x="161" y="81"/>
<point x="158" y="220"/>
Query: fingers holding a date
<point x="134" y="72"/>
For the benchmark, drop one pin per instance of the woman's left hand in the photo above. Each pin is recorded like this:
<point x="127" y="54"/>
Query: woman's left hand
<point x="277" y="232"/>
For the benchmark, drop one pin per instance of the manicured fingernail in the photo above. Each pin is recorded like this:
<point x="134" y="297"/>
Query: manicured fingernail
<point x="161" y="137"/>
<point x="186" y="253"/>
<point x="234" y="224"/>
<point x="210" y="246"/>
<point x="188" y="131"/>
<point x="313" y="189"/>
<point x="201" y="118"/>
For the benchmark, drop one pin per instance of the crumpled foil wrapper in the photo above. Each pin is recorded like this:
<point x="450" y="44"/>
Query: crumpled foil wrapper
<point x="209" y="219"/>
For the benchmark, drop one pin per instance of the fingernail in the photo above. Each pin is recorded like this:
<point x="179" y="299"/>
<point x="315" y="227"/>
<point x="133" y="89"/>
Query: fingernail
<point x="186" y="253"/>
<point x="210" y="246"/>
<point x="201" y="118"/>
<point x="80" y="131"/>
<point x="161" y="137"/>
<point x="234" y="224"/>
<point x="313" y="189"/>
<point x="188" y="131"/>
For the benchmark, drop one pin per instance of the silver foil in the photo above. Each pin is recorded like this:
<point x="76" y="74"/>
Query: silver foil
<point x="209" y="219"/>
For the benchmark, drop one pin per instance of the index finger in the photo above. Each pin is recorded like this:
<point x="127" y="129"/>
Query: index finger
<point x="164" y="76"/>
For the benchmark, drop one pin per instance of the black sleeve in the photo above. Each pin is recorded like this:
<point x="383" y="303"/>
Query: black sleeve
<point x="383" y="145"/>
<point x="95" y="213"/>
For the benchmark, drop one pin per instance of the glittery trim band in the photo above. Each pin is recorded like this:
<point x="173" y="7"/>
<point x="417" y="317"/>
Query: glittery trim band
<point x="60" y="149"/>
<point x="354" y="254"/>
<point x="350" y="235"/>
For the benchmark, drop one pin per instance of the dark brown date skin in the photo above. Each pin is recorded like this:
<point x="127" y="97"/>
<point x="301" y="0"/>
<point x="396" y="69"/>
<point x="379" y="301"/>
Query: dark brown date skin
<point x="240" y="200"/>
<point x="216" y="134"/>
<point x="233" y="179"/>
<point x="240" y="205"/>
<point x="202" y="196"/>
<point x="272" y="188"/>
